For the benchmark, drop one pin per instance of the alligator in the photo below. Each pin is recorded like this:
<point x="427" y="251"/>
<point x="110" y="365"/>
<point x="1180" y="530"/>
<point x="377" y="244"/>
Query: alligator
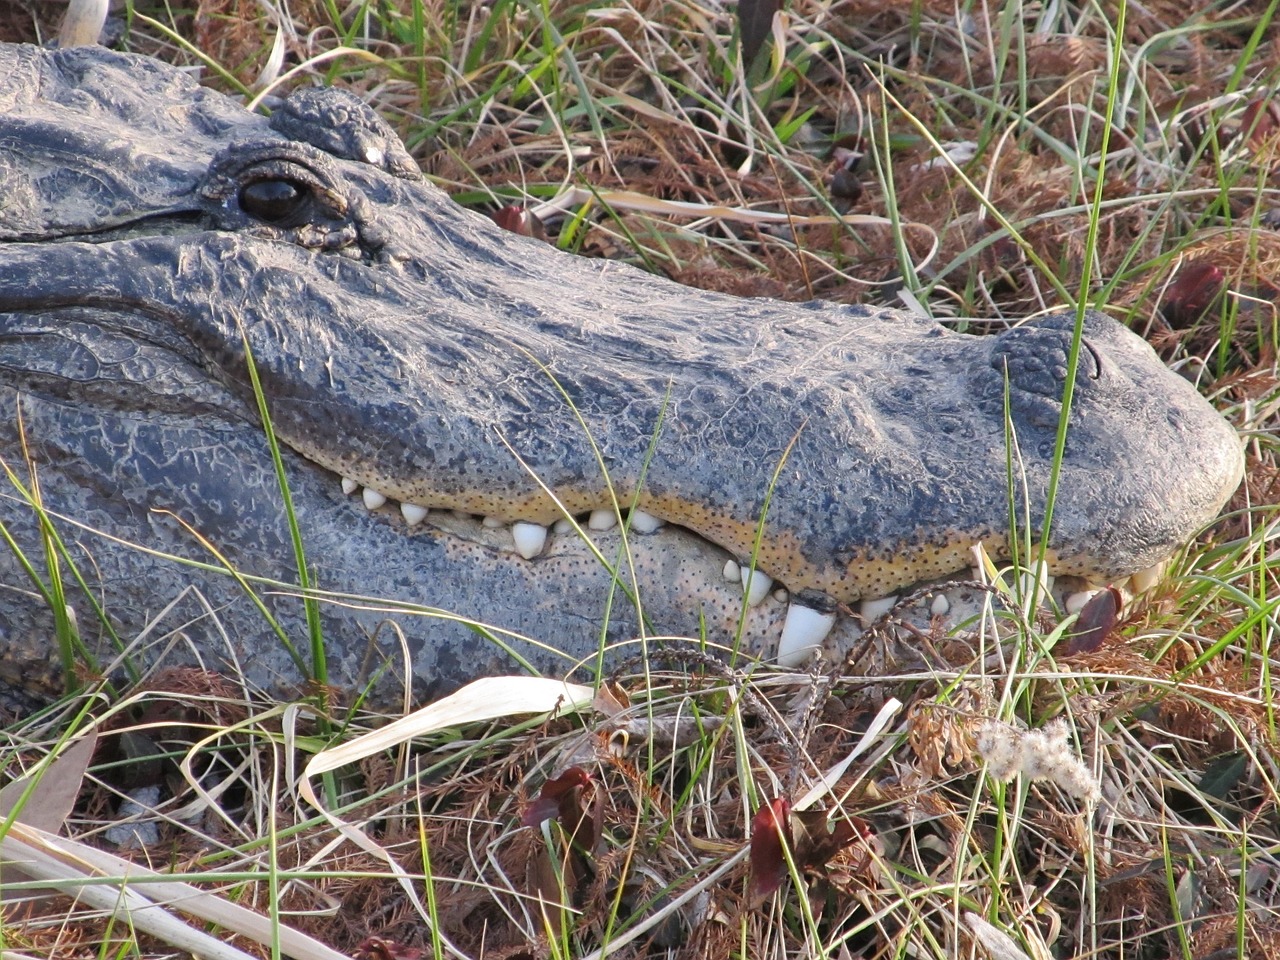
<point x="500" y="456"/>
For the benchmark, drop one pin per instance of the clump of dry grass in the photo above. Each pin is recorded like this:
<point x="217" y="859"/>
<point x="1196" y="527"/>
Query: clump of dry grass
<point x="924" y="121"/>
<point x="1160" y="835"/>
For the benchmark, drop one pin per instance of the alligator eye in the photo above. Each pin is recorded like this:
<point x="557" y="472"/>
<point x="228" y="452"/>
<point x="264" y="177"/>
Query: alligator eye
<point x="274" y="201"/>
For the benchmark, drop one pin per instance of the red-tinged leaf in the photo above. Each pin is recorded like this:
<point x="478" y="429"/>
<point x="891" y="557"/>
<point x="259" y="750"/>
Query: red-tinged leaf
<point x="819" y="839"/>
<point x="770" y="829"/>
<point x="551" y="884"/>
<point x="518" y="220"/>
<point x="573" y="799"/>
<point x="1260" y="121"/>
<point x="848" y="145"/>
<point x="543" y="808"/>
<point x="376" y="948"/>
<point x="755" y="23"/>
<point x="509" y="218"/>
<point x="1097" y="619"/>
<point x="1191" y="293"/>
<point x="845" y="186"/>
<point x="582" y="816"/>
<point x="566" y="782"/>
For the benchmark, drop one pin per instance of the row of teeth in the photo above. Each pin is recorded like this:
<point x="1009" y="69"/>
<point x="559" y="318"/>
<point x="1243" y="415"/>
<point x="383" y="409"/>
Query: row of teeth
<point x="530" y="539"/>
<point x="803" y="630"/>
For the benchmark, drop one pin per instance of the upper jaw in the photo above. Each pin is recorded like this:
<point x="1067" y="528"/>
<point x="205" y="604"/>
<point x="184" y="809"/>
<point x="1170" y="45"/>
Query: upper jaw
<point x="455" y="406"/>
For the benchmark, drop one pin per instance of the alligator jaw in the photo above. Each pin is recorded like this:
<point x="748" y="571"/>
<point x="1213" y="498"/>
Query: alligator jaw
<point x="560" y="597"/>
<point x="417" y="350"/>
<point x="552" y="612"/>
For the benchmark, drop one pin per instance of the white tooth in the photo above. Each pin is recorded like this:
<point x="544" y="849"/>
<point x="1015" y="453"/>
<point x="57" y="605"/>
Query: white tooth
<point x="876" y="608"/>
<point x="642" y="522"/>
<point x="460" y="514"/>
<point x="561" y="526"/>
<point x="349" y="486"/>
<point x="493" y="523"/>
<point x="1144" y="580"/>
<point x="373" y="499"/>
<point x="781" y="595"/>
<point x="413" y="514"/>
<point x="802" y="632"/>
<point x="602" y="520"/>
<point x="1076" y="602"/>
<point x="732" y="573"/>
<point x="940" y="606"/>
<point x="530" y="538"/>
<point x="761" y="584"/>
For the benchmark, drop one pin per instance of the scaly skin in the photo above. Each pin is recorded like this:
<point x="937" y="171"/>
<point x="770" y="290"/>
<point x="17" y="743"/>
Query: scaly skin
<point x="418" y="350"/>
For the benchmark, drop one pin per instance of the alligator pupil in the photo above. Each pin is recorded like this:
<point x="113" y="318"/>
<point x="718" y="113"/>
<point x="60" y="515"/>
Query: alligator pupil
<point x="273" y="201"/>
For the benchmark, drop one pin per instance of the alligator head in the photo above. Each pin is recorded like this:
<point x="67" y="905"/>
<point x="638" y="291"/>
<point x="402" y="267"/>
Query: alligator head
<point x="150" y="230"/>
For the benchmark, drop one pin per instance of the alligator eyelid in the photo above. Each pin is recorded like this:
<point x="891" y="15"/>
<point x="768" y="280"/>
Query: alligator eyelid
<point x="243" y="164"/>
<point x="1097" y="359"/>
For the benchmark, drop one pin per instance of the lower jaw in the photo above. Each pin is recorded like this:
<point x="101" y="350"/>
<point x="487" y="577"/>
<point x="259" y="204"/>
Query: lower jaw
<point x="568" y="628"/>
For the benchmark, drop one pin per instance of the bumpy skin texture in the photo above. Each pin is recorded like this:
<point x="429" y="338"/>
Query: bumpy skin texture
<point x="417" y="349"/>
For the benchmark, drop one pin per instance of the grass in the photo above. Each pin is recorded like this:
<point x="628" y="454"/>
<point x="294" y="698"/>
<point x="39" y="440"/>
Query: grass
<point x="999" y="161"/>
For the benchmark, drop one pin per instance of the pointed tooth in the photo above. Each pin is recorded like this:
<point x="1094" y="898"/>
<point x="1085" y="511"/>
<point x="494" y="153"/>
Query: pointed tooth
<point x="876" y="607"/>
<point x="562" y="526"/>
<point x="372" y="498"/>
<point x="1075" y="602"/>
<point x="413" y="514"/>
<point x="732" y="572"/>
<point x="803" y="631"/>
<point x="349" y="486"/>
<point x="602" y="520"/>
<point x="493" y="523"/>
<point x="782" y="595"/>
<point x="1144" y="580"/>
<point x="941" y="606"/>
<point x="642" y="522"/>
<point x="761" y="584"/>
<point x="530" y="538"/>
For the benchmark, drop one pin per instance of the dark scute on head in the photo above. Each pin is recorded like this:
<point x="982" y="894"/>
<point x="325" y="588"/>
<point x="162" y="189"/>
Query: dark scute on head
<point x="343" y="125"/>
